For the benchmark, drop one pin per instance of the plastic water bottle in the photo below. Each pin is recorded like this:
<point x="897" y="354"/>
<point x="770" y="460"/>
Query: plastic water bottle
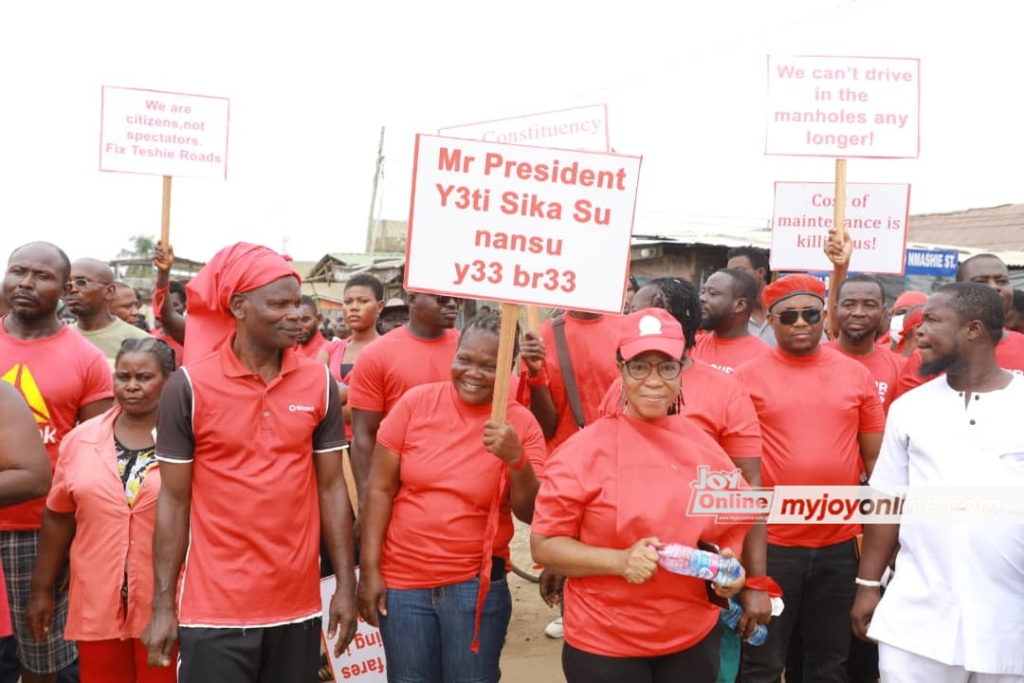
<point x="731" y="617"/>
<point x="682" y="559"/>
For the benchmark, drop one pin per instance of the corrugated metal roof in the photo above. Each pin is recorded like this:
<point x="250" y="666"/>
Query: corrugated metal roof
<point x="997" y="228"/>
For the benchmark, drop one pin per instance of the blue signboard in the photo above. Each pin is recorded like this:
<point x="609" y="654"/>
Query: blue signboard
<point x="934" y="263"/>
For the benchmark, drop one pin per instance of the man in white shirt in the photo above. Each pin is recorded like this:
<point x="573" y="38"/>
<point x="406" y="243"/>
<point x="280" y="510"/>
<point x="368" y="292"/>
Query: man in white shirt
<point x="954" y="611"/>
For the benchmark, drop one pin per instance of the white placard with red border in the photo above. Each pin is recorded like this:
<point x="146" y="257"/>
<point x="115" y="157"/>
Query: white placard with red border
<point x="844" y="107"/>
<point x="363" y="660"/>
<point x="163" y="133"/>
<point x="524" y="225"/>
<point x="581" y="128"/>
<point x="876" y="219"/>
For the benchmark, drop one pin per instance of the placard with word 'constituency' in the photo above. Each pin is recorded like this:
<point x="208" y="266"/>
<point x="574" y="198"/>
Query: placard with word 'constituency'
<point x="525" y="225"/>
<point x="584" y="128"/>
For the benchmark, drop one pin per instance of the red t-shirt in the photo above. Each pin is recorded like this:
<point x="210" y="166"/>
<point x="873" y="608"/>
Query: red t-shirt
<point x="592" y="345"/>
<point x="884" y="365"/>
<point x="610" y="485"/>
<point x="313" y="348"/>
<point x="57" y="376"/>
<point x="1009" y="356"/>
<point x="717" y="403"/>
<point x="726" y="354"/>
<point x="179" y="350"/>
<point x="397" y="362"/>
<point x="449" y="481"/>
<point x="812" y="409"/>
<point x="254" y="546"/>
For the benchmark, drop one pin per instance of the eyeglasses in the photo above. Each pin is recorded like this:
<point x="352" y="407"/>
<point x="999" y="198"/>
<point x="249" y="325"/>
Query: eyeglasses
<point x="82" y="282"/>
<point x="641" y="369"/>
<point x="810" y="316"/>
<point x="445" y="300"/>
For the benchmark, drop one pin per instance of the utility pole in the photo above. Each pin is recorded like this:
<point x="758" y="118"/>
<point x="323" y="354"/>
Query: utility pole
<point x="373" y="226"/>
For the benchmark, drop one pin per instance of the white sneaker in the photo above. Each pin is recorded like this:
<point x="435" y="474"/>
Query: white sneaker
<point x="555" y="629"/>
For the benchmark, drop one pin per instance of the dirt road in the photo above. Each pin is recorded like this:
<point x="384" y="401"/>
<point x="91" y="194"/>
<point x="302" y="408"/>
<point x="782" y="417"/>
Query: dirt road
<point x="530" y="656"/>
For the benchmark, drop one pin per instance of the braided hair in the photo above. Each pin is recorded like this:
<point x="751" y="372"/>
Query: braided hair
<point x="163" y="353"/>
<point x="680" y="298"/>
<point x="491" y="324"/>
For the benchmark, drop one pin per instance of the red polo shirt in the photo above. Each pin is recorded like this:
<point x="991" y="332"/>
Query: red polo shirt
<point x="254" y="552"/>
<point x="397" y="362"/>
<point x="1009" y="356"/>
<point x="884" y="365"/>
<point x="727" y="354"/>
<point x="812" y="408"/>
<point x="591" y="345"/>
<point x="57" y="376"/>
<point x="717" y="403"/>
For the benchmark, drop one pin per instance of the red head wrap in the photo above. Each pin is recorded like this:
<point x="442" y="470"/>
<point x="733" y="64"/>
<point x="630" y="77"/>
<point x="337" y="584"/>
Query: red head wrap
<point x="242" y="267"/>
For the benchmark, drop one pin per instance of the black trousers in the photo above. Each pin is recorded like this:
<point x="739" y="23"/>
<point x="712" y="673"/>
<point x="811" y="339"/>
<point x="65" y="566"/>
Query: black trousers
<point x="818" y="589"/>
<point x="697" y="664"/>
<point x="276" y="654"/>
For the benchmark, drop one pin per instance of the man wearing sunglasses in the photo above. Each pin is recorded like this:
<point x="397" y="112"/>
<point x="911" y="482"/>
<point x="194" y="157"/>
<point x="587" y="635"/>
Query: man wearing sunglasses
<point x="416" y="353"/>
<point x="89" y="296"/>
<point x="822" y="425"/>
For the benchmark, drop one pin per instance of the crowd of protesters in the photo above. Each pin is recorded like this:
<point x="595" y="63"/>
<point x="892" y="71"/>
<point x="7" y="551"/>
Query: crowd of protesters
<point x="172" y="491"/>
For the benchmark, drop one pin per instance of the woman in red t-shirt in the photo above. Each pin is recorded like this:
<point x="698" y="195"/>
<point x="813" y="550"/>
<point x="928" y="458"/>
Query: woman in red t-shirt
<point x="437" y="521"/>
<point x="612" y="495"/>
<point x="102" y="508"/>
<point x="364" y="300"/>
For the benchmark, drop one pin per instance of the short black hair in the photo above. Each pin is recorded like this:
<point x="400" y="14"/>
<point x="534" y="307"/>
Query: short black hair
<point x="1018" y="300"/>
<point x="307" y="300"/>
<point x="963" y="264"/>
<point x="743" y="284"/>
<point x="491" y="324"/>
<point x="973" y="301"/>
<point x="366" y="280"/>
<point x="758" y="257"/>
<point x="65" y="262"/>
<point x="865" y="278"/>
<point x="160" y="349"/>
<point x="175" y="287"/>
<point x="680" y="298"/>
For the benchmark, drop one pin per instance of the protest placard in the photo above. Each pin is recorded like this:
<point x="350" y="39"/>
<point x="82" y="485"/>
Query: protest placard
<point x="876" y="218"/>
<point x="581" y="128"/>
<point x="163" y="133"/>
<point x="521" y="224"/>
<point x="363" y="660"/>
<point x="843" y="107"/>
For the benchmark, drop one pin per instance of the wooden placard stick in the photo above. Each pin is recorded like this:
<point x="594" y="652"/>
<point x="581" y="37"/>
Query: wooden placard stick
<point x="165" y="218"/>
<point x="506" y="345"/>
<point x="838" y="271"/>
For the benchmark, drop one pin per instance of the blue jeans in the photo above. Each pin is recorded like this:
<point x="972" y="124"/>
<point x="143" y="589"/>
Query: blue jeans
<point x="428" y="632"/>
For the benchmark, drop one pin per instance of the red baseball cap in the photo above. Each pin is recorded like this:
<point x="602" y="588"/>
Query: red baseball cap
<point x="652" y="329"/>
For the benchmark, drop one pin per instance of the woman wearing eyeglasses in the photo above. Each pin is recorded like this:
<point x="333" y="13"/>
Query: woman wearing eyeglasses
<point x="612" y="495"/>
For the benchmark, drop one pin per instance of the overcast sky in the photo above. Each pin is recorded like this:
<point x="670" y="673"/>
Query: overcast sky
<point x="311" y="83"/>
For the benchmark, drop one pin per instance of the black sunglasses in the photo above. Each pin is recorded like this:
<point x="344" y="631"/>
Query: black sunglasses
<point x="445" y="300"/>
<point x="789" y="317"/>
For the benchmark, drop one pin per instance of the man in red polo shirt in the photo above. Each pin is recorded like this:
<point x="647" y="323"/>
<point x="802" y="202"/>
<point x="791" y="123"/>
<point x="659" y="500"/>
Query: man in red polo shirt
<point x="416" y="353"/>
<point x="860" y="305"/>
<point x="64" y="379"/>
<point x="726" y="302"/>
<point x="250" y="459"/>
<point x="822" y="425"/>
<point x="988" y="270"/>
